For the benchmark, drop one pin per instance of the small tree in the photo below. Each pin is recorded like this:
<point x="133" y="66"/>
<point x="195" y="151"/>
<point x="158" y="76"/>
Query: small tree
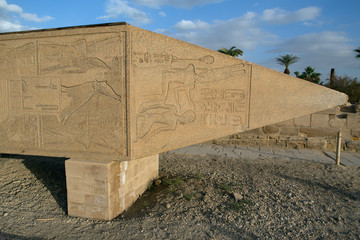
<point x="309" y="74"/>
<point x="347" y="85"/>
<point x="286" y="61"/>
<point x="233" y="51"/>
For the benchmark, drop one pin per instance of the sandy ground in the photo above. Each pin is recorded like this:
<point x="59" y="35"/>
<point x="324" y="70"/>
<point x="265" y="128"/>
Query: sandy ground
<point x="276" y="198"/>
<point x="260" y="152"/>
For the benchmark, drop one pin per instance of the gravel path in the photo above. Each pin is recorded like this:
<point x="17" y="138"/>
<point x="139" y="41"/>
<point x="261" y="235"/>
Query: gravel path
<point x="277" y="198"/>
<point x="247" y="152"/>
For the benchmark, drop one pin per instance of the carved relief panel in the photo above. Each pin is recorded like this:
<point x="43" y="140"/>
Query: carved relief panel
<point x="185" y="94"/>
<point x="63" y="93"/>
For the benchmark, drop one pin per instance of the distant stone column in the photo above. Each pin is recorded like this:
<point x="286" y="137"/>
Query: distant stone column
<point x="332" y="77"/>
<point x="104" y="189"/>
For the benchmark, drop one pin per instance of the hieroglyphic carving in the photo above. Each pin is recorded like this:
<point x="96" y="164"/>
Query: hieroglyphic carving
<point x="15" y="89"/>
<point x="223" y="107"/>
<point x="40" y="94"/>
<point x="82" y="94"/>
<point x="173" y="106"/>
<point x="2" y="53"/>
<point x="162" y="112"/>
<point x="63" y="93"/>
<point x="68" y="59"/>
<point x="158" y="118"/>
<point x="4" y="104"/>
<point x="187" y="78"/>
<point x="166" y="58"/>
<point x="22" y="59"/>
<point x="85" y="122"/>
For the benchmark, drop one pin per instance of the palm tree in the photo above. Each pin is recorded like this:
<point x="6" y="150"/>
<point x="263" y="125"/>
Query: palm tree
<point x="233" y="51"/>
<point x="309" y="75"/>
<point x="286" y="61"/>
<point x="358" y="52"/>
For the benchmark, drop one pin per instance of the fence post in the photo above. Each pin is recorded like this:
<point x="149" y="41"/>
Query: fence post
<point x="338" y="148"/>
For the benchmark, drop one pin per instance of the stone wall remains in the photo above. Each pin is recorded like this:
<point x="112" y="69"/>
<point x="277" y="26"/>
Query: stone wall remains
<point x="314" y="131"/>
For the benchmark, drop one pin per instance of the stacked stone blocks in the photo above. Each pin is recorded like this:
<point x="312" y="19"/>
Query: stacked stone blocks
<point x="315" y="131"/>
<point x="104" y="189"/>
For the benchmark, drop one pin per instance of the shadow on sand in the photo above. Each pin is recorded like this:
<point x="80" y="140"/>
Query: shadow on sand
<point x="50" y="171"/>
<point x="336" y="189"/>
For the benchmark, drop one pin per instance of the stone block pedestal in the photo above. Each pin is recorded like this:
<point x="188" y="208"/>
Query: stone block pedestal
<point x="104" y="189"/>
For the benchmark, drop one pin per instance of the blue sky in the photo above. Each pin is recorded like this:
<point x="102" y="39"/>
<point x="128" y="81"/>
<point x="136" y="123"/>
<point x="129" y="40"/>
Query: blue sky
<point x="322" y="33"/>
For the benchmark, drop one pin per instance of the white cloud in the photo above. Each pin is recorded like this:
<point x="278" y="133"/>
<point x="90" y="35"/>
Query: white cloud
<point x="34" y="18"/>
<point x="164" y="32"/>
<point x="313" y="24"/>
<point x="187" y="25"/>
<point x="334" y="44"/>
<point x="10" y="7"/>
<point x="243" y="32"/>
<point x="121" y="8"/>
<point x="7" y="26"/>
<point x="10" y="14"/>
<point x="279" y="16"/>
<point x="188" y="4"/>
<point x="162" y="14"/>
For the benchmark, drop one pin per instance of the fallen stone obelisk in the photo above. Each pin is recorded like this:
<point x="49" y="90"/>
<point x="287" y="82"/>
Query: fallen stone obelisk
<point x="111" y="97"/>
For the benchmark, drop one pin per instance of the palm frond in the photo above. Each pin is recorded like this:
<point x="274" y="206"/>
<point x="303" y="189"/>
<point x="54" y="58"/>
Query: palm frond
<point x="358" y="52"/>
<point x="233" y="51"/>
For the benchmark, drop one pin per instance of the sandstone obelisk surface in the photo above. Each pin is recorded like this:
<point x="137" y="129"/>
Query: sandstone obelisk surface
<point x="113" y="92"/>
